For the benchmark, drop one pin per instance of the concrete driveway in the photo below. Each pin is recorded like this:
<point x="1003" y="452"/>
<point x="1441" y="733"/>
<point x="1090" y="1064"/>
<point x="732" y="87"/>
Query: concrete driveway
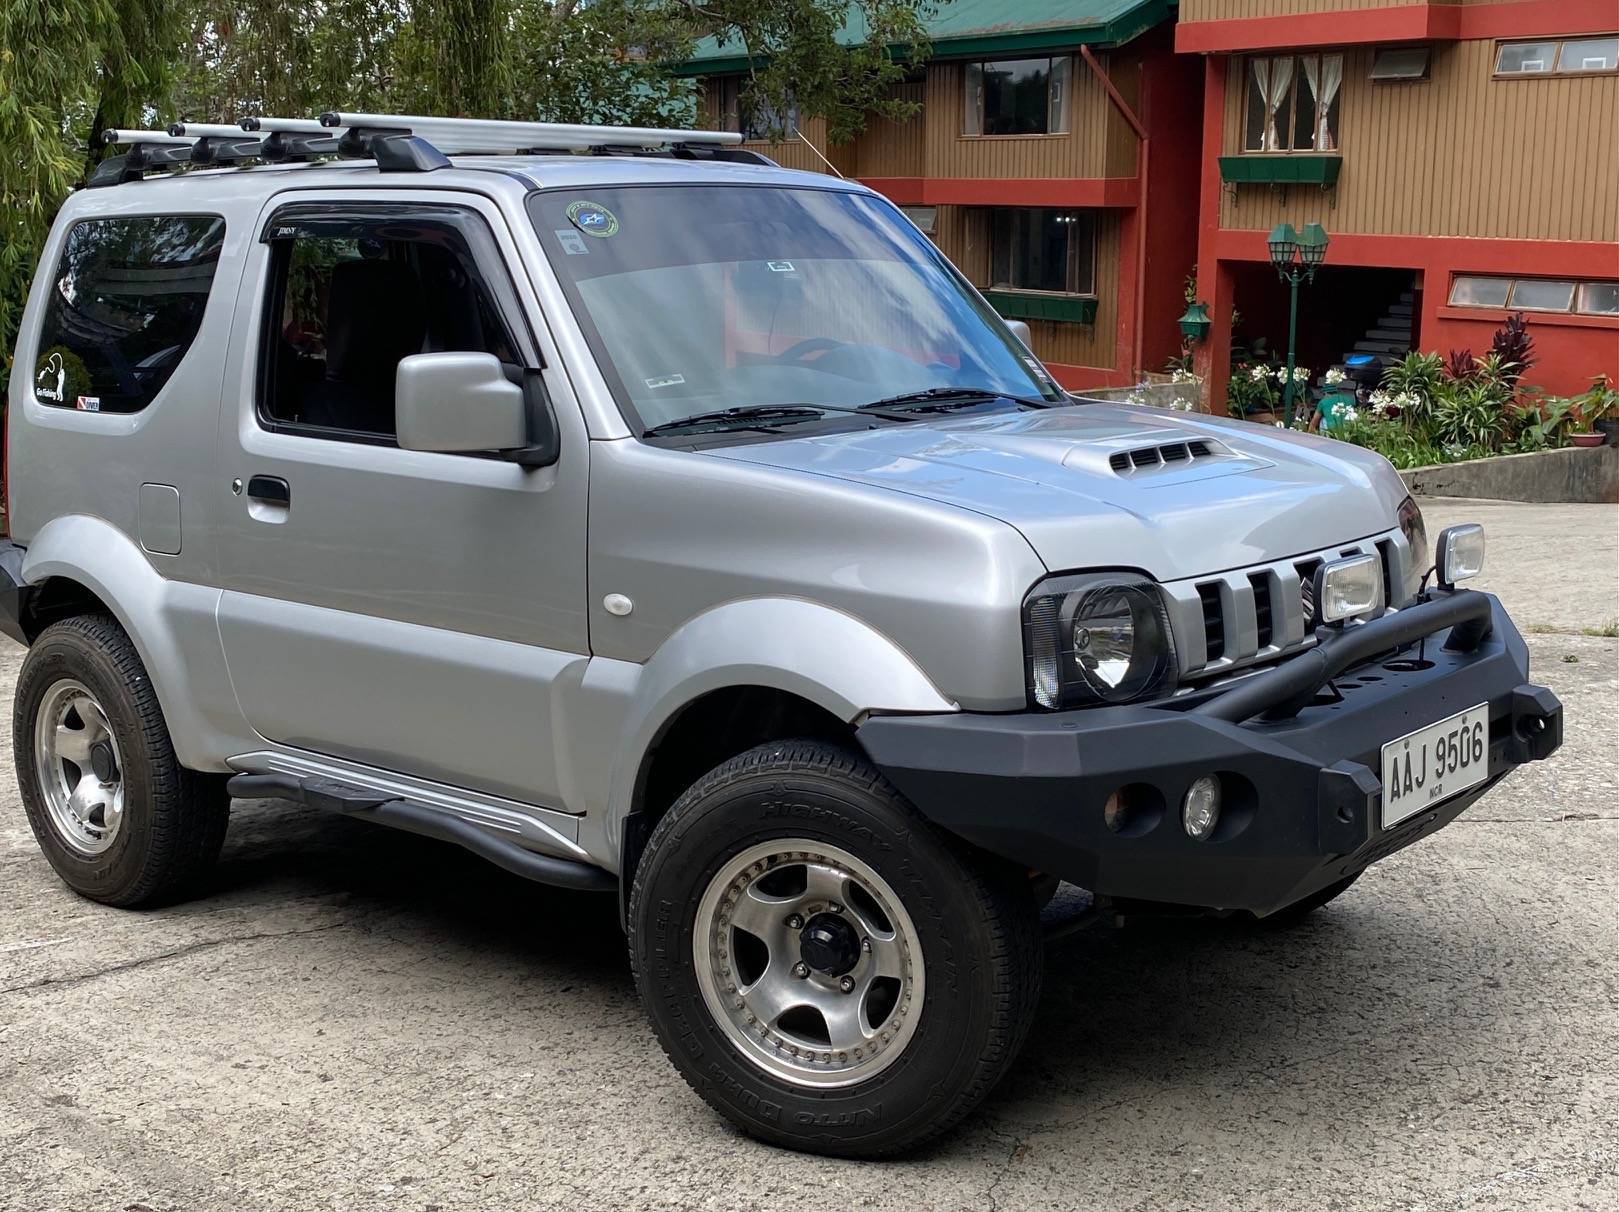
<point x="361" y="1019"/>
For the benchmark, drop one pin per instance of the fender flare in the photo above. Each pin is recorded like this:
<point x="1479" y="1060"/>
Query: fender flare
<point x="172" y="624"/>
<point x="821" y="654"/>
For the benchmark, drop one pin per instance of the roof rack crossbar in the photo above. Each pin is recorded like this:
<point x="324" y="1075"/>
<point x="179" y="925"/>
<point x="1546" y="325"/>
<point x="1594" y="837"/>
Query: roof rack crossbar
<point x="476" y="134"/>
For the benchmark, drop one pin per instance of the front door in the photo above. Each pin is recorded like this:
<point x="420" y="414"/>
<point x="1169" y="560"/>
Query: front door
<point x="408" y="610"/>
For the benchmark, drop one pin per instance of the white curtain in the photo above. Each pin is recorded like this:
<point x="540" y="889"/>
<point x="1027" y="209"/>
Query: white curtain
<point x="1326" y="91"/>
<point x="1281" y="76"/>
<point x="1325" y="74"/>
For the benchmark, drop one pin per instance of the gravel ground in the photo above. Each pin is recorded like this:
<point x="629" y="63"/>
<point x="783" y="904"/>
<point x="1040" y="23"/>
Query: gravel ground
<point x="361" y="1019"/>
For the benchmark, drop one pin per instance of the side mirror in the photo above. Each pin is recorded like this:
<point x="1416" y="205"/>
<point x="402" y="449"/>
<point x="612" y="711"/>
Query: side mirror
<point x="1020" y="330"/>
<point x="458" y="401"/>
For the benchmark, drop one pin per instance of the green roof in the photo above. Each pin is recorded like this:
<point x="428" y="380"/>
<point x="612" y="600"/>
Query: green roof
<point x="964" y="28"/>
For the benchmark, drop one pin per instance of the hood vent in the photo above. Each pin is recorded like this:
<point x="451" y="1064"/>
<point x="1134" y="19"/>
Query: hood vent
<point x="1147" y="458"/>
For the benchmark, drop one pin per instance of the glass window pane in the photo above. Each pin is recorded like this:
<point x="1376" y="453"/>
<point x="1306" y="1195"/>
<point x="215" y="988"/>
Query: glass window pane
<point x="1057" y="117"/>
<point x="1082" y="253"/>
<point x="1589" y="55"/>
<point x="126" y="304"/>
<point x="1599" y="298"/>
<point x="1253" y="138"/>
<point x="972" y="100"/>
<point x="1029" y="248"/>
<point x="1305" y="75"/>
<point x="926" y="218"/>
<point x="1401" y="63"/>
<point x="1525" y="58"/>
<point x="1480" y="292"/>
<point x="1537" y="294"/>
<point x="1015" y="96"/>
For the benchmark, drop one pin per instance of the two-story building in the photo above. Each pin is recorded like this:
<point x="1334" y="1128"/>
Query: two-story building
<point x="1463" y="157"/>
<point x="1053" y="159"/>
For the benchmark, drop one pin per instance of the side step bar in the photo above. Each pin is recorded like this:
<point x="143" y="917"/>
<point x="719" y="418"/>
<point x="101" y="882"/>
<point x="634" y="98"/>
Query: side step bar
<point x="329" y="795"/>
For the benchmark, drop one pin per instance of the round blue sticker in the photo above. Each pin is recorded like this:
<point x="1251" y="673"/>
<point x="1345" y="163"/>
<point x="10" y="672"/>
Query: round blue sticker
<point x="593" y="219"/>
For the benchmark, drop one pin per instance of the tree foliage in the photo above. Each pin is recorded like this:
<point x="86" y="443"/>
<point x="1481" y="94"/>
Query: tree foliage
<point x="70" y="68"/>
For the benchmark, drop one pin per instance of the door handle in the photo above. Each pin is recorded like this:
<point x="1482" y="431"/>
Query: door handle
<point x="272" y="490"/>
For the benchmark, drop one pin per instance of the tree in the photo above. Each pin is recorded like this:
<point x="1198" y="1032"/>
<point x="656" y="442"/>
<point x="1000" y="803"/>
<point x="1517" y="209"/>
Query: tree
<point x="67" y="69"/>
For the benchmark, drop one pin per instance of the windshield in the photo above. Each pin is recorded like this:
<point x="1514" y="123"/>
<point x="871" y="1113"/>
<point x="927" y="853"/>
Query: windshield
<point x="701" y="298"/>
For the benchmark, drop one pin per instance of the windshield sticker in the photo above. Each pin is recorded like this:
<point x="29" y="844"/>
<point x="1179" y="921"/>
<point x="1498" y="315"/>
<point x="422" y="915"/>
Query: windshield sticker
<point x="593" y="219"/>
<point x="89" y="404"/>
<point x="572" y="242"/>
<point x="666" y="381"/>
<point x="780" y="267"/>
<point x="51" y="379"/>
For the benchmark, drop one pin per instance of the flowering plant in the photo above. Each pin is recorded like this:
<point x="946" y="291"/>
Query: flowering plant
<point x="1301" y="374"/>
<point x="1334" y="376"/>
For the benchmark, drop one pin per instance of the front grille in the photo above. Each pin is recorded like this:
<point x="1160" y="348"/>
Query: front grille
<point x="1248" y="615"/>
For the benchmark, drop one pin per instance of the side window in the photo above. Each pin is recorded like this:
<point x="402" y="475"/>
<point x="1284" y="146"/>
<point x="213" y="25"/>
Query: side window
<point x="124" y="306"/>
<point x="351" y="295"/>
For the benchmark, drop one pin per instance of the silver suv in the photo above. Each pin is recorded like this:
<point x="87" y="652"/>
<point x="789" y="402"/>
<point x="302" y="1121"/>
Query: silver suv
<point x="663" y="523"/>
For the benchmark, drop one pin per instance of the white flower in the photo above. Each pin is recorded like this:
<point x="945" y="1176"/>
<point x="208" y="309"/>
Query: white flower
<point x="1181" y="405"/>
<point x="1335" y="377"/>
<point x="1135" y="397"/>
<point x="1181" y="375"/>
<point x="1258" y="373"/>
<point x="1348" y="414"/>
<point x="1301" y="374"/>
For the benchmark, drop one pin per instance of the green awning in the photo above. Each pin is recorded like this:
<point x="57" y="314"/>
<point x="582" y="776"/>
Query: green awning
<point x="973" y="28"/>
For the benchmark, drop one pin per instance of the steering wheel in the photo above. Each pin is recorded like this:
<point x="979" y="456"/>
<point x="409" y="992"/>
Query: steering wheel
<point x="798" y="352"/>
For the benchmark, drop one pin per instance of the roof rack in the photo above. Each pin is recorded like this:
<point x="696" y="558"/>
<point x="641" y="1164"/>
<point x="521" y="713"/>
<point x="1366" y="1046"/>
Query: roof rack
<point x="397" y="142"/>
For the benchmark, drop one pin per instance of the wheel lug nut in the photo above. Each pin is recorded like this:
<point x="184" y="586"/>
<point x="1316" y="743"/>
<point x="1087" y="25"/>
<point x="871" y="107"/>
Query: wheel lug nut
<point x="800" y="970"/>
<point x="794" y="922"/>
<point x="865" y="945"/>
<point x="834" y="907"/>
<point x="847" y="984"/>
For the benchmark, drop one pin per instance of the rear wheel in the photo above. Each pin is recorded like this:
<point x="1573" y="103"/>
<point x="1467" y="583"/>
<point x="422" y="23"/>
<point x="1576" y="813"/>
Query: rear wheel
<point x="822" y="967"/>
<point x="118" y="817"/>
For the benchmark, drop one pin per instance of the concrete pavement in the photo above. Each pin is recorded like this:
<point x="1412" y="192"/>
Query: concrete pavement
<point x="361" y="1019"/>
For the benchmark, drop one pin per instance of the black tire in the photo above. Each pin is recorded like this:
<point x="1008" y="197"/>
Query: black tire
<point x="174" y="819"/>
<point x="974" y="919"/>
<point x="1290" y="916"/>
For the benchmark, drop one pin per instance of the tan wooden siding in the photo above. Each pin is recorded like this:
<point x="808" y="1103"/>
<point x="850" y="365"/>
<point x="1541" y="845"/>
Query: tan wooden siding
<point x="1083" y="152"/>
<point x="894" y="149"/>
<point x="789" y="153"/>
<point x="963" y="235"/>
<point x="1460" y="154"/>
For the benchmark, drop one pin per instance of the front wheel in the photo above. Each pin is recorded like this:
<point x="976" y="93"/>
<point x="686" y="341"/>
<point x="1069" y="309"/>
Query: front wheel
<point x="825" y="969"/>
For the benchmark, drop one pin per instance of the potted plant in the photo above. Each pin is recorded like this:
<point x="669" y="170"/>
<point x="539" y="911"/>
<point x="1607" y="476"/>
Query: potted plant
<point x="1600" y="409"/>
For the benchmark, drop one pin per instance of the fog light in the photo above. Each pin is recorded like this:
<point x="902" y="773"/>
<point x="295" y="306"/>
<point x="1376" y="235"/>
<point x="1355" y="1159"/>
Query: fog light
<point x="1460" y="553"/>
<point x="1200" y="812"/>
<point x="1347" y="589"/>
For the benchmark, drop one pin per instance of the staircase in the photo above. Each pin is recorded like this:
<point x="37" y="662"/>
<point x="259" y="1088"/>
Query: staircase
<point x="1389" y="339"/>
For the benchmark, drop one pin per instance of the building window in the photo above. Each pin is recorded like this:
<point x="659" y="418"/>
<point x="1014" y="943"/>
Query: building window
<point x="1400" y="63"/>
<point x="1036" y="248"/>
<point x="926" y="218"/>
<point x="1016" y="97"/>
<point x="123" y="309"/>
<point x="754" y="118"/>
<point x="1568" y="56"/>
<point x="1535" y="294"/>
<point x="1598" y="299"/>
<point x="1293" y="103"/>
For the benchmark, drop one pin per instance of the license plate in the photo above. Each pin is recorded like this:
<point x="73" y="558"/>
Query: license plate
<point x="1434" y="763"/>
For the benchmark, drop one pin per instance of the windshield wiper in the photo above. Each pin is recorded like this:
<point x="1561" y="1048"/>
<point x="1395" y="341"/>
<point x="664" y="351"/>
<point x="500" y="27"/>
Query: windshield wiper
<point x="750" y="415"/>
<point x="939" y="399"/>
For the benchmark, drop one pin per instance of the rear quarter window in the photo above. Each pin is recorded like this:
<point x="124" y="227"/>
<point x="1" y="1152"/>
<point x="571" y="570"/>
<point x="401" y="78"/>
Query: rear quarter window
<point x="123" y="306"/>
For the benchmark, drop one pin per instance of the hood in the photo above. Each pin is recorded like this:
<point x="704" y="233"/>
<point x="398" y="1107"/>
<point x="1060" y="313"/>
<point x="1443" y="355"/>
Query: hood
<point x="1116" y="486"/>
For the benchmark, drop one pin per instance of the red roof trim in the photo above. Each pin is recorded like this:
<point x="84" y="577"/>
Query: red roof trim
<point x="1401" y="23"/>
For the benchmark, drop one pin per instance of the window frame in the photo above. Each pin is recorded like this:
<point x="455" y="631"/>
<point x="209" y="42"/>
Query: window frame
<point x="1291" y="125"/>
<point x="1424" y="76"/>
<point x="1068" y="269"/>
<point x="728" y="98"/>
<point x="50" y="288"/>
<point x="1063" y="107"/>
<point x="1574" y="308"/>
<point x="482" y="247"/>
<point x="1553" y="71"/>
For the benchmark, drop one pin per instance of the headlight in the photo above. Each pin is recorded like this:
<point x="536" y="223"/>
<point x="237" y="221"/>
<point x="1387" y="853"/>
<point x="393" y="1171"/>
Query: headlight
<point x="1460" y="554"/>
<point x="1099" y="637"/>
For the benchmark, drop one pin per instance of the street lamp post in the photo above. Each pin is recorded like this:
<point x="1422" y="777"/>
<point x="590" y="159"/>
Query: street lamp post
<point x="1296" y="256"/>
